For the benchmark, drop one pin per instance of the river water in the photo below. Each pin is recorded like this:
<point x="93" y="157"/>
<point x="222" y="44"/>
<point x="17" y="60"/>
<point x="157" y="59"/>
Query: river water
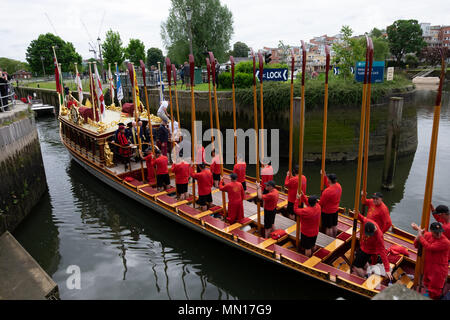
<point x="126" y="251"/>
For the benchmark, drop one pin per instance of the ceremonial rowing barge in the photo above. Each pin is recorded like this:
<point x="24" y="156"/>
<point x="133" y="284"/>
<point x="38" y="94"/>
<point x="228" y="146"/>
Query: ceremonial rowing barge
<point x="89" y="144"/>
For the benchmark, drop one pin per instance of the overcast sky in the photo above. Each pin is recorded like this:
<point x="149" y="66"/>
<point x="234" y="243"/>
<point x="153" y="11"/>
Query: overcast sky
<point x="257" y="23"/>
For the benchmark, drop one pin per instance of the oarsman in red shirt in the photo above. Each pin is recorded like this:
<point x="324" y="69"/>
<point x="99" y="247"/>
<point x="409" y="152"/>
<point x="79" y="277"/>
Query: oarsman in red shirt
<point x="378" y="212"/>
<point x="215" y="168"/>
<point x="266" y="174"/>
<point x="329" y="202"/>
<point x="370" y="243"/>
<point x="200" y="155"/>
<point x="291" y="183"/>
<point x="270" y="200"/>
<point x="441" y="214"/>
<point x="239" y="169"/>
<point x="309" y="221"/>
<point x="182" y="171"/>
<point x="235" y="199"/>
<point x="148" y="160"/>
<point x="205" y="181"/>
<point x="436" y="247"/>
<point x="162" y="172"/>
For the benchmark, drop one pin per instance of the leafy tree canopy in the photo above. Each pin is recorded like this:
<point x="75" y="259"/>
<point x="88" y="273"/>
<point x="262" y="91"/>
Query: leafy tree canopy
<point x="42" y="47"/>
<point x="240" y="49"/>
<point x="432" y="55"/>
<point x="112" y="49"/>
<point x="212" y="28"/>
<point x="153" y="56"/>
<point x="135" y="51"/>
<point x="405" y="36"/>
<point x="11" y="65"/>
<point x="348" y="52"/>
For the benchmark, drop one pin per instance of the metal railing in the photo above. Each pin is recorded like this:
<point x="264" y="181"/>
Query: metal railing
<point x="7" y="94"/>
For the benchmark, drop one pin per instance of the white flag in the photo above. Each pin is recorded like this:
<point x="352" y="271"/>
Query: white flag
<point x="79" y="87"/>
<point x="99" y="91"/>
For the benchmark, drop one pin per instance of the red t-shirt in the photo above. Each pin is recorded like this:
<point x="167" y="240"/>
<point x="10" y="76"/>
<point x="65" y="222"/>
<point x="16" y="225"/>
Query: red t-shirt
<point x="330" y="198"/>
<point x="240" y="168"/>
<point x="161" y="164"/>
<point x="266" y="175"/>
<point x="292" y="185"/>
<point x="215" y="165"/>
<point x="150" y="170"/>
<point x="200" y="154"/>
<point x="270" y="199"/>
<point x="182" y="172"/>
<point x="373" y="244"/>
<point x="235" y="191"/>
<point x="379" y="214"/>
<point x="205" y="181"/>
<point x="309" y="217"/>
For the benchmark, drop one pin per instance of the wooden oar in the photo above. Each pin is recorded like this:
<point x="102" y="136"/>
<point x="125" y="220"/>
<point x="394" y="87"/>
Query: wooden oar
<point x="255" y="117"/>
<point x="301" y="138"/>
<point x="325" y="118"/>
<point x="291" y="112"/>
<point x="174" y="70"/>
<point x="150" y="127"/>
<point x="208" y="69"/>
<point x="136" y="111"/>
<point x="360" y="150"/>
<point x="425" y="221"/>
<point x="367" y="125"/>
<point x="261" y="100"/>
<point x="219" y="140"/>
<point x="234" y="107"/>
<point x="193" y="138"/>
<point x="169" y="77"/>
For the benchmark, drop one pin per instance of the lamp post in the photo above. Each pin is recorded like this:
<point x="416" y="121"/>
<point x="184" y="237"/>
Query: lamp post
<point x="189" y="17"/>
<point x="43" y="69"/>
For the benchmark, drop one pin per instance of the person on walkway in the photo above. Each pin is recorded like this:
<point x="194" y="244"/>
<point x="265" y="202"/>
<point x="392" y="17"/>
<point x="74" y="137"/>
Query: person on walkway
<point x="215" y="168"/>
<point x="182" y="171"/>
<point x="162" y="111"/>
<point x="205" y="181"/>
<point x="291" y="183"/>
<point x="240" y="169"/>
<point x="163" y="137"/>
<point x="235" y="199"/>
<point x="266" y="174"/>
<point x="371" y="243"/>
<point x="436" y="247"/>
<point x="270" y="200"/>
<point x="329" y="202"/>
<point x="441" y="214"/>
<point x="162" y="172"/>
<point x="309" y="221"/>
<point x="377" y="211"/>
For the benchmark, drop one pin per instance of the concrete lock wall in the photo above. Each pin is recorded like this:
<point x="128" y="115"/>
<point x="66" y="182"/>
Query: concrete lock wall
<point x="22" y="172"/>
<point x="343" y="122"/>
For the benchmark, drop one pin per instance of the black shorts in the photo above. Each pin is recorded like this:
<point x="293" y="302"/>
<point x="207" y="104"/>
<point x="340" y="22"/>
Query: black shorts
<point x="244" y="185"/>
<point x="202" y="200"/>
<point x="307" y="242"/>
<point x="329" y="219"/>
<point x="162" y="179"/>
<point x="361" y="258"/>
<point x="216" y="176"/>
<point x="182" y="188"/>
<point x="290" y="208"/>
<point x="269" y="218"/>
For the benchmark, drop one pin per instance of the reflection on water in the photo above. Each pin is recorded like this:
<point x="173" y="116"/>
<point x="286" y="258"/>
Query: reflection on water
<point x="127" y="251"/>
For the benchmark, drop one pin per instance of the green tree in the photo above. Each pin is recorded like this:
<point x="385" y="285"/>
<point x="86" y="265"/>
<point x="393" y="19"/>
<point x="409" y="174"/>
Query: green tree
<point x="240" y="49"/>
<point x="376" y="33"/>
<point x="405" y="36"/>
<point x="112" y="49"/>
<point x="380" y="48"/>
<point x="285" y="51"/>
<point x="42" y="47"/>
<point x="11" y="65"/>
<point x="348" y="52"/>
<point x="135" y="51"/>
<point x="153" y="56"/>
<point x="212" y="28"/>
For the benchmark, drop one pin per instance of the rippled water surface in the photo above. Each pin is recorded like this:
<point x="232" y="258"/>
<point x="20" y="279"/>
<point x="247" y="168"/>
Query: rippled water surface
<point x="126" y="251"/>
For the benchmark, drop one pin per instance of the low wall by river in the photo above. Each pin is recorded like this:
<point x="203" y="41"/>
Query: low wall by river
<point x="22" y="172"/>
<point x="343" y="122"/>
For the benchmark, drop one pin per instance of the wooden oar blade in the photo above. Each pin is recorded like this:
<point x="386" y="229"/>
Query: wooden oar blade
<point x="143" y="71"/>
<point x="169" y="70"/>
<point x="303" y="62"/>
<point x="232" y="69"/>
<point x="261" y="66"/>
<point x="327" y="63"/>
<point x="442" y="78"/>
<point x="213" y="66"/>
<point x="174" y="70"/>
<point x="131" y="73"/>
<point x="292" y="66"/>
<point x="191" y="68"/>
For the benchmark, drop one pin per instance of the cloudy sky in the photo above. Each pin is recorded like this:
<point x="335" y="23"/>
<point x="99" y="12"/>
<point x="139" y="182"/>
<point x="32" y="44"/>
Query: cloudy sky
<point x="257" y="23"/>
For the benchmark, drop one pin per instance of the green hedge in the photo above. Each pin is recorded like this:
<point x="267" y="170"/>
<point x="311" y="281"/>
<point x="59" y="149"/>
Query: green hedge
<point x="241" y="80"/>
<point x="247" y="66"/>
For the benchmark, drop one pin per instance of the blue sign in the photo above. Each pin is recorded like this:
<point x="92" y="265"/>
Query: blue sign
<point x="336" y="71"/>
<point x="274" y="74"/>
<point x="377" y="71"/>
